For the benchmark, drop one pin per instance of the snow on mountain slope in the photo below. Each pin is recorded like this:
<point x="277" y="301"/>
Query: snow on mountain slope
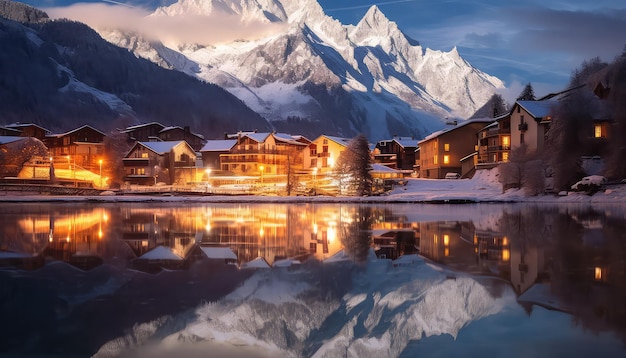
<point x="295" y="313"/>
<point x="334" y="78"/>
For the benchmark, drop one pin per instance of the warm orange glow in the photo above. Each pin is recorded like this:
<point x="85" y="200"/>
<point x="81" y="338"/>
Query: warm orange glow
<point x="597" y="131"/>
<point x="446" y="159"/>
<point x="506" y="255"/>
<point x="598" y="273"/>
<point x="446" y="252"/>
<point x="446" y="239"/>
<point x="505" y="241"/>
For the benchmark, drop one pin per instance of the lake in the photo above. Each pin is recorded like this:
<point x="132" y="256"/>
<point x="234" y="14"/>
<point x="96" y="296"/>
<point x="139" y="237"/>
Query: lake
<point x="312" y="280"/>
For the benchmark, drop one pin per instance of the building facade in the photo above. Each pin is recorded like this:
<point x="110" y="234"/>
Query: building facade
<point x="149" y="163"/>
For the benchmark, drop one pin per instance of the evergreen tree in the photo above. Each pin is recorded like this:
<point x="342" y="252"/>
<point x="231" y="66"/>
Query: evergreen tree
<point x="528" y="94"/>
<point x="353" y="167"/>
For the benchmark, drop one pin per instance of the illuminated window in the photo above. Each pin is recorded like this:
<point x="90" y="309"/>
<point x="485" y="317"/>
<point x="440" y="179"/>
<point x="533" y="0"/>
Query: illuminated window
<point x="506" y="255"/>
<point x="446" y="159"/>
<point x="506" y="142"/>
<point x="435" y="159"/>
<point x="598" y="131"/>
<point x="446" y="239"/>
<point x="446" y="147"/>
<point x="144" y="155"/>
<point x="598" y="273"/>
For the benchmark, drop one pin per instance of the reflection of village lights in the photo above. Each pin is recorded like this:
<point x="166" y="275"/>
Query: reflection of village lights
<point x="315" y="229"/>
<point x="261" y="231"/>
<point x="332" y="234"/>
<point x="446" y="252"/>
<point x="208" y="227"/>
<point x="67" y="239"/>
<point x="506" y="255"/>
<point x="105" y="217"/>
<point x="598" y="273"/>
<point x="100" y="234"/>
<point x="446" y="240"/>
<point x="505" y="241"/>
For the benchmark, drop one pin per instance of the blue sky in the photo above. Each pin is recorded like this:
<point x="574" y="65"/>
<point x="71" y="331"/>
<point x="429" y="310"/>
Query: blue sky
<point x="540" y="42"/>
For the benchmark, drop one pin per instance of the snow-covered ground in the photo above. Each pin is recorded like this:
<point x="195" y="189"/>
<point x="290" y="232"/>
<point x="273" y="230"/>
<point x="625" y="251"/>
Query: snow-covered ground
<point x="483" y="187"/>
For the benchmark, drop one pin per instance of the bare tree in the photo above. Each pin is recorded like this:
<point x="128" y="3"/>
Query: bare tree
<point x="353" y="167"/>
<point x="116" y="146"/>
<point x="523" y="170"/>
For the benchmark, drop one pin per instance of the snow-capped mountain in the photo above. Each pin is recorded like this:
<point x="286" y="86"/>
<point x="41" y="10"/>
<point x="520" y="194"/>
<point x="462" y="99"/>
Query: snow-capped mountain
<point x="314" y="75"/>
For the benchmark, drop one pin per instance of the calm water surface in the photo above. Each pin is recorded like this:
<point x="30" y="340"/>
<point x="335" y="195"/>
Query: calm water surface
<point x="156" y="279"/>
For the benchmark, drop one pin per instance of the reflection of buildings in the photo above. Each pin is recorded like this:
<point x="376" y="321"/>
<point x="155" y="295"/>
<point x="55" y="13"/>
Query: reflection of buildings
<point x="393" y="235"/>
<point x="74" y="237"/>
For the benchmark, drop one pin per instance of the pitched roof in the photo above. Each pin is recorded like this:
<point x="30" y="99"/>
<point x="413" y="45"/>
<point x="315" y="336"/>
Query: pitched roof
<point x="161" y="147"/>
<point x="219" y="145"/>
<point x="170" y="128"/>
<point x="161" y="253"/>
<point x="459" y="125"/>
<point x="257" y="137"/>
<point x="406" y="142"/>
<point x="131" y="128"/>
<point x="338" y="140"/>
<point x="218" y="252"/>
<point x="23" y="125"/>
<point x="538" y="109"/>
<point x="75" y="130"/>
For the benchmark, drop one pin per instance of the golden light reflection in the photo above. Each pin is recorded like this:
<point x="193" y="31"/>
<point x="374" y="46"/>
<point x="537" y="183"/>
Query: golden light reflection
<point x="506" y="255"/>
<point x="598" y="274"/>
<point x="446" y="240"/>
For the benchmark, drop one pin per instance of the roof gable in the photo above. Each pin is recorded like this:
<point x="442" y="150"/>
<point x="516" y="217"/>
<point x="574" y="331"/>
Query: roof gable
<point x="220" y="145"/>
<point x="537" y="109"/>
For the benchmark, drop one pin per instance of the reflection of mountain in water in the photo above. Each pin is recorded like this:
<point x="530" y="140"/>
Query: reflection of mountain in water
<point x="568" y="259"/>
<point x="326" y="310"/>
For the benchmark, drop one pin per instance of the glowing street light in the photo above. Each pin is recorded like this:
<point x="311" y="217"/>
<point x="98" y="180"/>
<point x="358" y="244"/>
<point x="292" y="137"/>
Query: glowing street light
<point x="261" y="169"/>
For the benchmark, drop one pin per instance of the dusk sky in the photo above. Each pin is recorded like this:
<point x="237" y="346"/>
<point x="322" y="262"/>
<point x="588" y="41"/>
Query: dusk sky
<point x="540" y="42"/>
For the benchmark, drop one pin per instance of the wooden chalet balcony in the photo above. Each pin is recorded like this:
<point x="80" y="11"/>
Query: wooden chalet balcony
<point x="136" y="162"/>
<point x="523" y="126"/>
<point x="498" y="131"/>
<point x="323" y="155"/>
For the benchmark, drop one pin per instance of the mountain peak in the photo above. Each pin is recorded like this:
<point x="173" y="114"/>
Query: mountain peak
<point x="374" y="18"/>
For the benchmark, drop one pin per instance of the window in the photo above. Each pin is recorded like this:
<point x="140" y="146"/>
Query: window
<point x="141" y="171"/>
<point x="446" y="159"/>
<point x="521" y="119"/>
<point x="505" y="156"/>
<point x="521" y="138"/>
<point x="313" y="162"/>
<point x="325" y="141"/>
<point x="506" y="142"/>
<point x="325" y="149"/>
<point x="435" y="159"/>
<point x="446" y="147"/>
<point x="132" y="171"/>
<point x="144" y="155"/>
<point x="597" y="129"/>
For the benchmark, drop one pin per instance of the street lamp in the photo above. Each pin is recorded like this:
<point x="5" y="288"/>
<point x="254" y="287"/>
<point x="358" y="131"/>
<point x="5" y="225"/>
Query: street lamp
<point x="261" y="169"/>
<point x="100" y="162"/>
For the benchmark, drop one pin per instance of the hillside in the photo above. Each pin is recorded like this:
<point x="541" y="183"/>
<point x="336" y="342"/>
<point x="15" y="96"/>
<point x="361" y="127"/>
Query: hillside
<point x="62" y="74"/>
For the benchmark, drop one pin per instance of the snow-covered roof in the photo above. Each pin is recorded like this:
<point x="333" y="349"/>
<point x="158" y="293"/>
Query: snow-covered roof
<point x="24" y="125"/>
<point x="406" y="142"/>
<point x="171" y="128"/>
<point x="219" y="145"/>
<point x="460" y="125"/>
<point x="161" y="253"/>
<point x="128" y="129"/>
<point x="538" y="109"/>
<point x="379" y="168"/>
<point x="218" y="252"/>
<point x="75" y="130"/>
<point x="287" y="138"/>
<point x="338" y="140"/>
<point x="258" y="263"/>
<point x="161" y="147"/>
<point x="257" y="137"/>
<point x="10" y="139"/>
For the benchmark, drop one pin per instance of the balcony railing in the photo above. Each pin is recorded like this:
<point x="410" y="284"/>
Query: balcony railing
<point x="523" y="126"/>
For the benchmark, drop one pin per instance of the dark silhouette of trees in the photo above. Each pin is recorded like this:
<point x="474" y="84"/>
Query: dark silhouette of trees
<point x="523" y="170"/>
<point x="353" y="167"/>
<point x="528" y="94"/>
<point x="494" y="107"/>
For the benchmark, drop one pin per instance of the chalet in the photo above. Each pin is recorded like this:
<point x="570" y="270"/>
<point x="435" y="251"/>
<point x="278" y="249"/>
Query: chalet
<point x="168" y="162"/>
<point x="397" y="153"/>
<point x="145" y="132"/>
<point x="196" y="141"/>
<point x="82" y="146"/>
<point x="441" y="152"/>
<point x="10" y="132"/>
<point x="264" y="154"/>
<point x="212" y="150"/>
<point x="529" y="123"/>
<point x="323" y="152"/>
<point x="28" y="130"/>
